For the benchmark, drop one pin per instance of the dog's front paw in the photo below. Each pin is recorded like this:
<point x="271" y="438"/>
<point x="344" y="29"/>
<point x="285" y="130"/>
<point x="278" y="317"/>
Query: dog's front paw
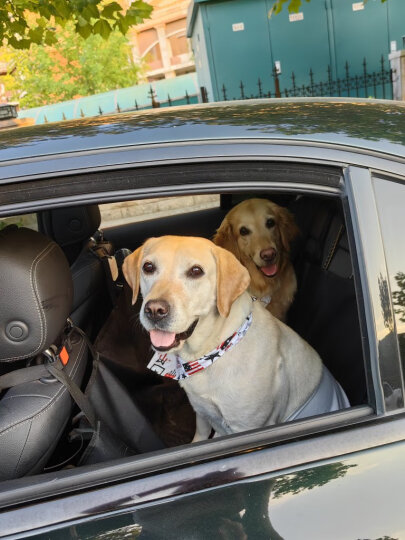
<point x="203" y="429"/>
<point x="197" y="437"/>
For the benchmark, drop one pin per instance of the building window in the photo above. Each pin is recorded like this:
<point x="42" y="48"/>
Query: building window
<point x="176" y="36"/>
<point x="149" y="48"/>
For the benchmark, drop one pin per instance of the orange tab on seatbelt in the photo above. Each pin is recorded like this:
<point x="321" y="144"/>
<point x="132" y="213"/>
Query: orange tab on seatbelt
<point x="64" y="356"/>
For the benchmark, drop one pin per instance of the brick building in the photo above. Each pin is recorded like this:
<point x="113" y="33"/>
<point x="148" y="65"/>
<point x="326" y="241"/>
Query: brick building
<point x="161" y="41"/>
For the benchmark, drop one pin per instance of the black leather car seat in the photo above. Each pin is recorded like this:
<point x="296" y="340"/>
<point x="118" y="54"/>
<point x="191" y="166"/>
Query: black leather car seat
<point x="36" y="299"/>
<point x="75" y="230"/>
<point x="325" y="310"/>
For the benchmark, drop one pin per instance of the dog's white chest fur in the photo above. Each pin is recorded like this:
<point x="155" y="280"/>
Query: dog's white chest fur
<point x="257" y="382"/>
<point x="212" y="394"/>
<point x="205" y="406"/>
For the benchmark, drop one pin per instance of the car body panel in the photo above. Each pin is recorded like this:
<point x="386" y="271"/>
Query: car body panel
<point x="341" y="122"/>
<point x="196" y="488"/>
<point x="299" y="503"/>
<point x="60" y="506"/>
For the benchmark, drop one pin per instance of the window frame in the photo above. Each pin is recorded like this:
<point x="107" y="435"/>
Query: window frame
<point x="370" y="249"/>
<point x="376" y="178"/>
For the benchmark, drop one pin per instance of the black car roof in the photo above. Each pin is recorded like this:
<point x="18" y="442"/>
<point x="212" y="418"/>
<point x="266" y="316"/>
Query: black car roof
<point x="372" y="125"/>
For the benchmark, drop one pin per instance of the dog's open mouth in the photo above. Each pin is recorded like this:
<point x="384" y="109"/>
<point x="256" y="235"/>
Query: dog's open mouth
<point x="270" y="270"/>
<point x="164" y="341"/>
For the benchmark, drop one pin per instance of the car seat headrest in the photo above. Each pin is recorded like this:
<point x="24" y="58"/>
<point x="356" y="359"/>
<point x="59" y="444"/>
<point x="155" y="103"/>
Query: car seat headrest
<point x="71" y="225"/>
<point x="36" y="293"/>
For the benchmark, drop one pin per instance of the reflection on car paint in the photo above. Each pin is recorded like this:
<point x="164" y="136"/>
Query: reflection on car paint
<point x="296" y="505"/>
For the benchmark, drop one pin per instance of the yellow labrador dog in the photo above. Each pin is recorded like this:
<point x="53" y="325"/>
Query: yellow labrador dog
<point x="258" y="232"/>
<point x="241" y="367"/>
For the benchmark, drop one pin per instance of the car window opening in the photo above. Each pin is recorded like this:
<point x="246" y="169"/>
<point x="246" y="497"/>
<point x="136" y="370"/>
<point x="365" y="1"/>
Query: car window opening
<point x="143" y="411"/>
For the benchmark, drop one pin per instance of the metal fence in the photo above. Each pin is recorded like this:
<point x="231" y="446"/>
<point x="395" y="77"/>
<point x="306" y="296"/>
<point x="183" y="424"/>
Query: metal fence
<point x="187" y="99"/>
<point x="155" y="103"/>
<point x="376" y="84"/>
<point x="177" y="91"/>
<point x="365" y="83"/>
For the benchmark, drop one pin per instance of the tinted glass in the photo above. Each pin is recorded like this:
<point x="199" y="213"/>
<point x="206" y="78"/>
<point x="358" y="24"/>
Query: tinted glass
<point x="113" y="214"/>
<point x="27" y="220"/>
<point x="390" y="198"/>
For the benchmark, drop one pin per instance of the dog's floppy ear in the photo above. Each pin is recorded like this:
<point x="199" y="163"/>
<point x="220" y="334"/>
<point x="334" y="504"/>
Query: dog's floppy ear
<point x="288" y="228"/>
<point x="225" y="238"/>
<point x="131" y="269"/>
<point x="232" y="279"/>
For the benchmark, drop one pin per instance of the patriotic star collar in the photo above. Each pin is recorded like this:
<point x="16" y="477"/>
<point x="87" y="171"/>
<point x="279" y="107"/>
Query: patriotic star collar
<point x="172" y="366"/>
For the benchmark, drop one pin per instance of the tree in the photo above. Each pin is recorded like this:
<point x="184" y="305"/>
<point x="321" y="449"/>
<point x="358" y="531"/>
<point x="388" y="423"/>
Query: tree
<point x="309" y="478"/>
<point x="293" y="6"/>
<point x="71" y="68"/>
<point x="385" y="302"/>
<point x="399" y="296"/>
<point x="24" y="22"/>
<point x="263" y="492"/>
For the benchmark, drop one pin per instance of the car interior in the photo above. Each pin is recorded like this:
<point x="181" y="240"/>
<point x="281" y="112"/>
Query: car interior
<point x="44" y="425"/>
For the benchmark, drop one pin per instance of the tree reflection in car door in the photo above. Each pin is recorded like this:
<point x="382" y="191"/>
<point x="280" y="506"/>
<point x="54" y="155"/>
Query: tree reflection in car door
<point x="399" y="307"/>
<point x="238" y="512"/>
<point x="392" y="395"/>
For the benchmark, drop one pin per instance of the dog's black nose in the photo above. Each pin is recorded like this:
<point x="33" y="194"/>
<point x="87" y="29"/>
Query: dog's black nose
<point x="156" y="310"/>
<point x="268" y="254"/>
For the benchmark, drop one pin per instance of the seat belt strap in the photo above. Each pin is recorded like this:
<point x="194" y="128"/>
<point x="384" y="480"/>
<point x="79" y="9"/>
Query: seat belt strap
<point x="111" y="272"/>
<point x="55" y="369"/>
<point x="22" y="376"/>
<point x="77" y="395"/>
<point x="34" y="373"/>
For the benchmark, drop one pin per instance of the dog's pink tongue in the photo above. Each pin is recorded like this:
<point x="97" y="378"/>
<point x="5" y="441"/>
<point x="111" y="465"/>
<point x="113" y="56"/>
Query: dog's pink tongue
<point x="269" y="270"/>
<point x="162" y="339"/>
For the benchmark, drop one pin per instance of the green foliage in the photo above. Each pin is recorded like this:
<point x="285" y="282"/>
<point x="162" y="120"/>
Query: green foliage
<point x="293" y="6"/>
<point x="71" y="68"/>
<point x="9" y="221"/>
<point x="309" y="478"/>
<point x="385" y="302"/>
<point x="399" y="296"/>
<point x="27" y="22"/>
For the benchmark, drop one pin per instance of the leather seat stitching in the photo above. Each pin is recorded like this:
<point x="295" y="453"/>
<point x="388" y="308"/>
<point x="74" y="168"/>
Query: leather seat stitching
<point x="53" y="400"/>
<point x="35" y="262"/>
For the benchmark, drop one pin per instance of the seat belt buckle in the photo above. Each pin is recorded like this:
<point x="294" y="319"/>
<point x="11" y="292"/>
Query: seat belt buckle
<point x="57" y="357"/>
<point x="63" y="356"/>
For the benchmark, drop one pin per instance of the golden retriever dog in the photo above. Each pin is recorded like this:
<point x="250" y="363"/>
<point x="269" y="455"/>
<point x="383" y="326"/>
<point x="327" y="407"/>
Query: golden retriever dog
<point x="240" y="366"/>
<point x="258" y="232"/>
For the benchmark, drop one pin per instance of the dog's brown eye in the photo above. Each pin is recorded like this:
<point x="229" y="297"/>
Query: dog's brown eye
<point x="270" y="223"/>
<point x="244" y="231"/>
<point x="195" y="271"/>
<point x="148" y="267"/>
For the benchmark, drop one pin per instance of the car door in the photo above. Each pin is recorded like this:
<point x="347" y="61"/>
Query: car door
<point x="321" y="477"/>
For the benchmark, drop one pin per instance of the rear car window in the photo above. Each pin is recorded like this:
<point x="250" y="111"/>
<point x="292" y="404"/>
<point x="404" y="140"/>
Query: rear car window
<point x="29" y="221"/>
<point x="121" y="213"/>
<point x="324" y="311"/>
